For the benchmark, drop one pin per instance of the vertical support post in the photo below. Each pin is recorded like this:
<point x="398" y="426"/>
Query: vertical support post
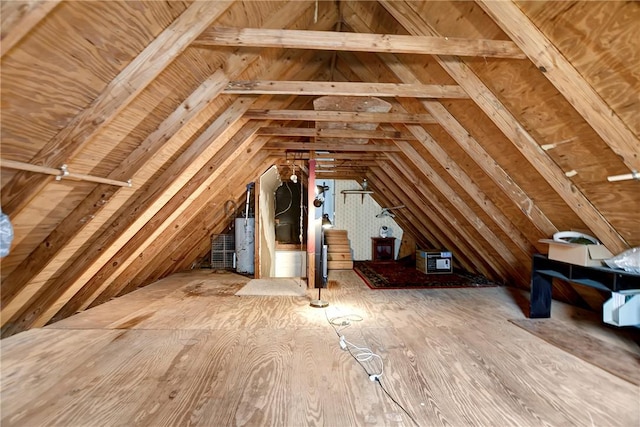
<point x="311" y="228"/>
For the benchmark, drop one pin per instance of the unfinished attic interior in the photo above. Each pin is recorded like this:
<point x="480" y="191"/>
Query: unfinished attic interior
<point x="135" y="135"/>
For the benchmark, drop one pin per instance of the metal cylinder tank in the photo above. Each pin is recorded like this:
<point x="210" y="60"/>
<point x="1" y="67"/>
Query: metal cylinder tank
<point x="245" y="244"/>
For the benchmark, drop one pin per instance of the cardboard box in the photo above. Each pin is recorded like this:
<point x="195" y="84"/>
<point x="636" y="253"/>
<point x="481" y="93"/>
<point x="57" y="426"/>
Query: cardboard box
<point x="433" y="261"/>
<point x="574" y="253"/>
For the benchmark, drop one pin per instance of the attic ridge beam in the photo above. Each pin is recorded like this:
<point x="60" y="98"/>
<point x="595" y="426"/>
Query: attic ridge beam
<point x="339" y="116"/>
<point x="334" y="133"/>
<point x="559" y="71"/>
<point x="517" y="134"/>
<point x="18" y="20"/>
<point x="119" y="93"/>
<point x="330" y="40"/>
<point x="345" y="89"/>
<point x="317" y="146"/>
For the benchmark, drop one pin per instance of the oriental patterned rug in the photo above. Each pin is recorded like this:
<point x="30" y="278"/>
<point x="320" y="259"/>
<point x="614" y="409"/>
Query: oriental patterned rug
<point x="404" y="275"/>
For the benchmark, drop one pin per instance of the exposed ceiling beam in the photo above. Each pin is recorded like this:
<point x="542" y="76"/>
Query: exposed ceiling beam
<point x="329" y="40"/>
<point x="339" y="116"/>
<point x="418" y="172"/>
<point x="234" y="64"/>
<point x="394" y="185"/>
<point x="555" y="67"/>
<point x="345" y="89"/>
<point x="184" y="206"/>
<point x="187" y="114"/>
<point x="119" y="93"/>
<point x="513" y="129"/>
<point x="334" y="133"/>
<point x="328" y="146"/>
<point x="40" y="309"/>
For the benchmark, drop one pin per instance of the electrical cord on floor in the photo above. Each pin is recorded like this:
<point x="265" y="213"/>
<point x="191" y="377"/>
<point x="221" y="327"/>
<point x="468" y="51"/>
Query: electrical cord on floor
<point x="396" y="402"/>
<point x="362" y="354"/>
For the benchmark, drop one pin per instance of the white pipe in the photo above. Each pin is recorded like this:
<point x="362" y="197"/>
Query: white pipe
<point x="624" y="177"/>
<point x="63" y="172"/>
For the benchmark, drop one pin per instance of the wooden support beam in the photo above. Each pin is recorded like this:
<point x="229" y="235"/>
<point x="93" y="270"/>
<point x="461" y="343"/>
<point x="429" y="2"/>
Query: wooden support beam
<point x="464" y="139"/>
<point x="482" y="200"/>
<point x="184" y="236"/>
<point x="39" y="310"/>
<point x="475" y="150"/>
<point x="465" y="211"/>
<point x="334" y="133"/>
<point x="165" y="225"/>
<point x="386" y="179"/>
<point x="513" y="130"/>
<point x="327" y="146"/>
<point x="19" y="18"/>
<point x="123" y="89"/>
<point x="189" y="113"/>
<point x="328" y="40"/>
<point x="555" y="67"/>
<point x="339" y="116"/>
<point x="443" y="218"/>
<point x="183" y="206"/>
<point x="316" y="88"/>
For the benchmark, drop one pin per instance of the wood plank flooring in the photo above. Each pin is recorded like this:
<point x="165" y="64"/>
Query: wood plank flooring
<point x="185" y="350"/>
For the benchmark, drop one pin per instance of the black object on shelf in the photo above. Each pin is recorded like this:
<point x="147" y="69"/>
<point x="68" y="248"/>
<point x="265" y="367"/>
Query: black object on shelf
<point x="544" y="270"/>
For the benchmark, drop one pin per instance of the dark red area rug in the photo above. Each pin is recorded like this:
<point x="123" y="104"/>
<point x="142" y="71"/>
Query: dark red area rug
<point x="403" y="275"/>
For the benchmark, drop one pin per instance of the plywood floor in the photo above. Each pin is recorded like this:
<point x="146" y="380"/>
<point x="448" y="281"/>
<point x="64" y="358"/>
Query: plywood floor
<point x="185" y="350"/>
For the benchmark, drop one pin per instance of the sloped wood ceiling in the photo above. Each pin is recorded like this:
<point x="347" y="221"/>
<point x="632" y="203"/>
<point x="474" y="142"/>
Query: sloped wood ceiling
<point x="507" y="118"/>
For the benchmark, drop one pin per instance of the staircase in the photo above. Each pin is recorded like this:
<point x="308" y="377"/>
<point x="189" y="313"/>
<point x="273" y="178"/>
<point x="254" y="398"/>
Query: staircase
<point x="339" y="251"/>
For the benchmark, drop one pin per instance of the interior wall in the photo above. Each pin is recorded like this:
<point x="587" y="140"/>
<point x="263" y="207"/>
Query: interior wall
<point x="269" y="182"/>
<point x="358" y="217"/>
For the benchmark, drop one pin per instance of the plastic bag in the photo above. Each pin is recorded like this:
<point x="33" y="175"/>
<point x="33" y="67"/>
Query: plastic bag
<point x="6" y="234"/>
<point x="628" y="260"/>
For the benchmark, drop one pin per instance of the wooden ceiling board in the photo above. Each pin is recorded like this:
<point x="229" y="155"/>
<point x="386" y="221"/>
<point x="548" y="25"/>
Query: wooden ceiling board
<point x="69" y="53"/>
<point x="127" y="245"/>
<point x="65" y="62"/>
<point x="523" y="242"/>
<point x="439" y="209"/>
<point x="600" y="39"/>
<point x="426" y="224"/>
<point x="464" y="206"/>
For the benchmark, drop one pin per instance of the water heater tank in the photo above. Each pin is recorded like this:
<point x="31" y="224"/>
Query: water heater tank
<point x="245" y="244"/>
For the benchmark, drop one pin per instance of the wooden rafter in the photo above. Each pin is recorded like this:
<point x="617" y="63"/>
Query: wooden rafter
<point x="475" y="150"/>
<point x="113" y="99"/>
<point x="513" y="130"/>
<point x="465" y="140"/>
<point x="403" y="171"/>
<point x="420" y="215"/>
<point x="261" y="87"/>
<point x="173" y="213"/>
<point x="334" y="133"/>
<point x="326" y="40"/>
<point x="329" y="146"/>
<point x="465" y="211"/>
<point x="339" y="116"/>
<point x="184" y="116"/>
<point x="561" y="73"/>
<point x="161" y="190"/>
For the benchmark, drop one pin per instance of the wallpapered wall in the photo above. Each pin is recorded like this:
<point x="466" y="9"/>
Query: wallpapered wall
<point x="359" y="219"/>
